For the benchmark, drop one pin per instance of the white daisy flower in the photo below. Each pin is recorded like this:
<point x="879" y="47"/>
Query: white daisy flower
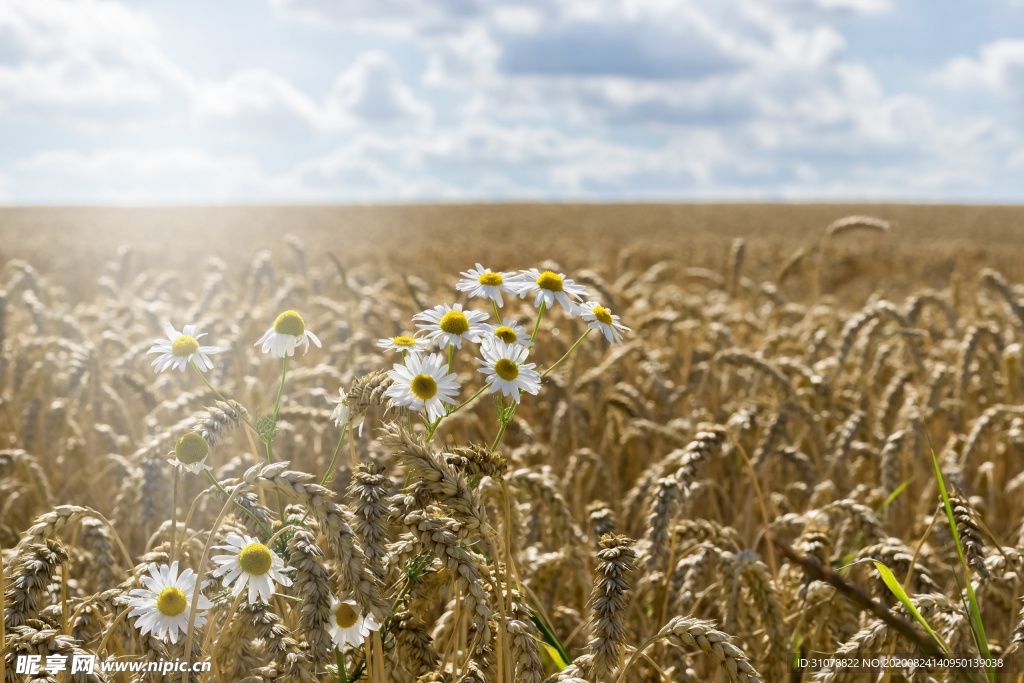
<point x="342" y="414"/>
<point x="505" y="369"/>
<point x="404" y="344"/>
<point x="550" y="287"/>
<point x="190" y="453"/>
<point x="485" y="283"/>
<point x="450" y="324"/>
<point x="181" y="347"/>
<point x="600" y="318"/>
<point x="510" y="332"/>
<point x="423" y="383"/>
<point x="162" y="606"/>
<point x="288" y="332"/>
<point x="249" y="561"/>
<point x="348" y="626"/>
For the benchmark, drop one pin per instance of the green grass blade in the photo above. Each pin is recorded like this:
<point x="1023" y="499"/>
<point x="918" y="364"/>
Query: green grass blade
<point x="977" y="627"/>
<point x="555" y="655"/>
<point x="893" y="584"/>
<point x="551" y="643"/>
<point x="896" y="494"/>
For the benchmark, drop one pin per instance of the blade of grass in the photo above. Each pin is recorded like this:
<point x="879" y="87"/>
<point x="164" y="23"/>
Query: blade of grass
<point x="895" y="494"/>
<point x="555" y="655"/>
<point x="816" y="571"/>
<point x="551" y="643"/>
<point x="977" y="627"/>
<point x="894" y="585"/>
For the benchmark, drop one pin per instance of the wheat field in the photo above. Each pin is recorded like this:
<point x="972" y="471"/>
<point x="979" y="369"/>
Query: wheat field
<point x="808" y="444"/>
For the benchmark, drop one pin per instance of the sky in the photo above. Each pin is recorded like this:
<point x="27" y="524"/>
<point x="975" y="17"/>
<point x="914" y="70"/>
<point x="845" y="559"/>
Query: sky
<point x="320" y="101"/>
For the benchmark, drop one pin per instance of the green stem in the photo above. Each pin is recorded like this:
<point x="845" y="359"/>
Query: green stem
<point x="267" y="440"/>
<point x="280" y="389"/>
<point x="505" y="417"/>
<point x="431" y="428"/>
<point x="451" y="356"/>
<point x="339" y="657"/>
<point x="220" y="396"/>
<point x="357" y="672"/>
<point x="501" y="433"/>
<point x="216" y="483"/>
<point x="497" y="313"/>
<point x="566" y="354"/>
<point x="540" y="314"/>
<point x="334" y="458"/>
<point x="470" y="399"/>
<point x="330" y="468"/>
<point x="401" y="596"/>
<point x="224" y="491"/>
<point x="386" y="626"/>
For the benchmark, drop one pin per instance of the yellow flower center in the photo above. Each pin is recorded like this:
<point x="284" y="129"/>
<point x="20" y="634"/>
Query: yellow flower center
<point x="191" y="448"/>
<point x="602" y="314"/>
<point x="491" y="279"/>
<point x="454" y="322"/>
<point x="255" y="559"/>
<point x="403" y="341"/>
<point x="423" y="386"/>
<point x="184" y="346"/>
<point x="171" y="602"/>
<point x="506" y="369"/>
<point x="550" y="281"/>
<point x="506" y="334"/>
<point x="291" y="323"/>
<point x="345" y="616"/>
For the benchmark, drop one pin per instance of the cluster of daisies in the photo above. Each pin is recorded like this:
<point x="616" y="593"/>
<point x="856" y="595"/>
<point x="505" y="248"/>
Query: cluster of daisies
<point x="425" y="381"/>
<point x="162" y="607"/>
<point x="182" y="349"/>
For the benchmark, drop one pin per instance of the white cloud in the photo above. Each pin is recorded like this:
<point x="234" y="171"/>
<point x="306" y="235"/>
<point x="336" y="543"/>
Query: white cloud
<point x="260" y="100"/>
<point x="602" y="62"/>
<point x="999" y="66"/>
<point x="1015" y="161"/>
<point x="503" y="98"/>
<point x="99" y="64"/>
<point x="833" y="7"/>
<point x="371" y="170"/>
<point x="371" y="91"/>
<point x="56" y="28"/>
<point x="481" y="159"/>
<point x="154" y="175"/>
<point x="895" y="157"/>
<point x="87" y="56"/>
<point x="397" y="17"/>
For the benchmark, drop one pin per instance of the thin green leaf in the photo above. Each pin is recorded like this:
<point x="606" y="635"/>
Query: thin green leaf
<point x="556" y="656"/>
<point x="896" y="494"/>
<point x="551" y="643"/>
<point x="977" y="627"/>
<point x="893" y="584"/>
<point x="796" y="641"/>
